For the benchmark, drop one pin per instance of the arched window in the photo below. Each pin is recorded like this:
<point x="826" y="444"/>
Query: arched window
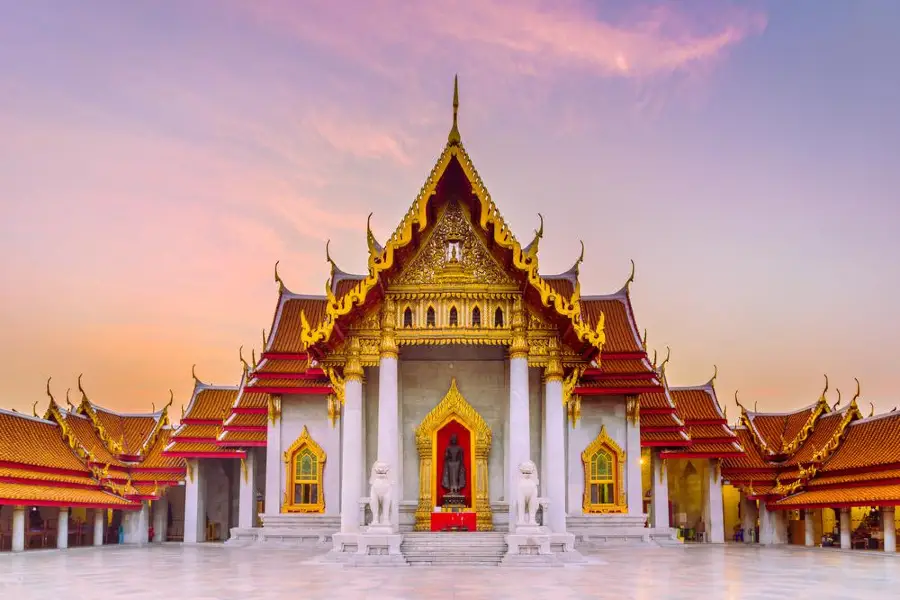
<point x="407" y="317"/>
<point x="305" y="462"/>
<point x="476" y="317"/>
<point x="454" y="317"/>
<point x="602" y="470"/>
<point x="498" y="317"/>
<point x="604" y="466"/>
<point x="429" y="317"/>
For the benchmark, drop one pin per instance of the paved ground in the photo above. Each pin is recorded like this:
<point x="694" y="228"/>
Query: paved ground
<point x="217" y="572"/>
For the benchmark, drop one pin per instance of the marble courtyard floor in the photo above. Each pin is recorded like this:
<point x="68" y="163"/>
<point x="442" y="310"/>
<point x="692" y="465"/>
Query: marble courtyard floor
<point x="218" y="572"/>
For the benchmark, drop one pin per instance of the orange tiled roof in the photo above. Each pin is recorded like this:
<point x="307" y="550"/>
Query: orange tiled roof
<point x="35" y="442"/>
<point x="243" y="436"/>
<point x="826" y="427"/>
<point x="854" y="478"/>
<point x="190" y="430"/>
<point x="192" y="447"/>
<point x="290" y="383"/>
<point x="210" y="402"/>
<point x="621" y="331"/>
<point x="699" y="447"/>
<point x="657" y="436"/>
<point x="616" y="383"/>
<point x="13" y="473"/>
<point x="655" y="400"/>
<point x="22" y="494"/>
<point x="129" y="430"/>
<point x="285" y="336"/>
<point x="87" y="436"/>
<point x="696" y="403"/>
<point x="751" y="459"/>
<point x="623" y="366"/>
<point x="857" y="496"/>
<point x="653" y="420"/>
<point x="246" y="420"/>
<point x="868" y="443"/>
<point x="155" y="459"/>
<point x="277" y="365"/>
<point x="698" y="432"/>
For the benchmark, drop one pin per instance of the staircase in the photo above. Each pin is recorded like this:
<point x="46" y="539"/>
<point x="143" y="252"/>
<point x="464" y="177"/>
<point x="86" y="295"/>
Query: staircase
<point x="425" y="549"/>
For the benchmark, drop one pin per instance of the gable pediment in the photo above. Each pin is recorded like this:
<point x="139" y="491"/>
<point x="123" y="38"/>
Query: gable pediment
<point x="453" y="256"/>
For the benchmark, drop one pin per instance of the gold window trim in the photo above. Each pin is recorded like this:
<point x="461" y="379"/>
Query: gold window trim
<point x="603" y="441"/>
<point x="302" y="442"/>
<point x="454" y="407"/>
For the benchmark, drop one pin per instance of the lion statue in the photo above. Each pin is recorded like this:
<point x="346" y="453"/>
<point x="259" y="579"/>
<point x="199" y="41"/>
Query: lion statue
<point x="380" y="494"/>
<point x="528" y="494"/>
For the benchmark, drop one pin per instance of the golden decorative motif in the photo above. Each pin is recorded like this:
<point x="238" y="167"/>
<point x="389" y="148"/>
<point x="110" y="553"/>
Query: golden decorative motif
<point x="87" y="408"/>
<point x="453" y="255"/>
<point x="388" y="325"/>
<point x="554" y="369"/>
<point x="353" y="370"/>
<point x="274" y="405"/>
<point x="633" y="410"/>
<point x="824" y="453"/>
<point x="519" y="346"/>
<point x="334" y="409"/>
<point x="189" y="465"/>
<point x="244" y="470"/>
<point x="820" y="409"/>
<point x="453" y="407"/>
<point x="603" y="441"/>
<point x="525" y="261"/>
<point x="290" y="505"/>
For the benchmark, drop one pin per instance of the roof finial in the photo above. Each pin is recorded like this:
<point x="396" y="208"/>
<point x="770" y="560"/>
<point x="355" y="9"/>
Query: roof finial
<point x="278" y="278"/>
<point x="836" y="404"/>
<point x="81" y="389"/>
<point x="375" y="248"/>
<point x="738" y="402"/>
<point x="243" y="362"/>
<point x="48" y="391"/>
<point x="34" y="408"/>
<point x="454" y="137"/>
<point x="265" y="341"/>
<point x="644" y="341"/>
<point x="857" y="391"/>
<point x="822" y="398"/>
<point x="334" y="266"/>
<point x="194" y="374"/>
<point x="715" y="374"/>
<point x="662" y="367"/>
<point x="630" y="277"/>
<point x="654" y="358"/>
<point x="580" y="257"/>
<point x="69" y="402"/>
<point x="171" y="399"/>
<point x="871" y="408"/>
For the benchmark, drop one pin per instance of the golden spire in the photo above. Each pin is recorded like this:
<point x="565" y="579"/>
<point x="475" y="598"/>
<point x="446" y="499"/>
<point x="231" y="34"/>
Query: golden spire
<point x="630" y="278"/>
<point x="454" y="137"/>
<point x="81" y="389"/>
<point x="278" y="278"/>
<point x="853" y="401"/>
<point x="836" y="404"/>
<point x="712" y="380"/>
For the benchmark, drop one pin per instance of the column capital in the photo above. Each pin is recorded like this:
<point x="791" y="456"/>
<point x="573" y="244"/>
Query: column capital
<point x="353" y="370"/>
<point x="554" y="369"/>
<point x="389" y="347"/>
<point x="519" y="346"/>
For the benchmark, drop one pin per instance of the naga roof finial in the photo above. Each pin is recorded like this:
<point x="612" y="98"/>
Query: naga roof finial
<point x="712" y="379"/>
<point x="34" y="408"/>
<point x="630" y="279"/>
<point x="334" y="266"/>
<point x="836" y="404"/>
<point x="81" y="389"/>
<point x="644" y="341"/>
<point x="278" y="279"/>
<point x="253" y="358"/>
<point x="853" y="401"/>
<point x="265" y="341"/>
<point x="871" y="408"/>
<point x="580" y="258"/>
<point x="171" y="399"/>
<point x="454" y="137"/>
<point x="532" y="247"/>
<point x="48" y="391"/>
<point x="375" y="249"/>
<point x="243" y="362"/>
<point x="69" y="402"/>
<point x="194" y="375"/>
<point x="654" y="358"/>
<point x="662" y="367"/>
<point x="738" y="402"/>
<point x="825" y="391"/>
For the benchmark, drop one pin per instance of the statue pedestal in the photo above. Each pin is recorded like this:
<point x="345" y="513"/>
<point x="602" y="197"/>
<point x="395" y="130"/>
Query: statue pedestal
<point x="529" y="545"/>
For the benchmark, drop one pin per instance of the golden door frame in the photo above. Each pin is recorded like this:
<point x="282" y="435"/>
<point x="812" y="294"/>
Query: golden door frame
<point x="453" y="407"/>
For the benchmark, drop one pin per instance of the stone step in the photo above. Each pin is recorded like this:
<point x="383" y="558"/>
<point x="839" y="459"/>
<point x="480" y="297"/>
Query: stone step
<point x="482" y="548"/>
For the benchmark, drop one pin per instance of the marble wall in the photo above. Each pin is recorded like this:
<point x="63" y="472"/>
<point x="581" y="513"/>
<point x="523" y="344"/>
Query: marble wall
<point x="597" y="412"/>
<point x="312" y="412"/>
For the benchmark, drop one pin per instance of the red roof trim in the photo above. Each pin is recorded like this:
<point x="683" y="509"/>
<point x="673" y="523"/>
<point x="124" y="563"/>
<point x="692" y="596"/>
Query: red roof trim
<point x="240" y="444"/>
<point x="20" y="502"/>
<point x="603" y="376"/>
<point x="245" y="428"/>
<point x="175" y="470"/>
<point x="831" y="505"/>
<point x="689" y="454"/>
<point x="854" y="484"/>
<point x="658" y="411"/>
<point x="303" y="391"/>
<point x="622" y="356"/>
<point x="626" y="391"/>
<point x="311" y="374"/>
<point x="46" y="483"/>
<point x="249" y="411"/>
<point x="234" y="454"/>
<point x="658" y="444"/>
<point x="855" y="470"/>
<point x="285" y="355"/>
<point x="201" y="422"/>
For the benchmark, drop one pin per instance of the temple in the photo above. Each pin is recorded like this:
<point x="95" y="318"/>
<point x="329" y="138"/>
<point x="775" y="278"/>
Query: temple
<point x="452" y="387"/>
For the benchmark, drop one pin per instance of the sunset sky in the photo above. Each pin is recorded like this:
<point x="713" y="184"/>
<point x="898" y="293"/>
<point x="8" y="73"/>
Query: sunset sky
<point x="157" y="158"/>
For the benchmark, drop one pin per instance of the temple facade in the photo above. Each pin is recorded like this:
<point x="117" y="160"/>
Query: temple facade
<point x="452" y="387"/>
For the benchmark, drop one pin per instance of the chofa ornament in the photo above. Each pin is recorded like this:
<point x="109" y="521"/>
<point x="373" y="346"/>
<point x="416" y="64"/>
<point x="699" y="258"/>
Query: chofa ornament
<point x="527" y="504"/>
<point x="380" y="495"/>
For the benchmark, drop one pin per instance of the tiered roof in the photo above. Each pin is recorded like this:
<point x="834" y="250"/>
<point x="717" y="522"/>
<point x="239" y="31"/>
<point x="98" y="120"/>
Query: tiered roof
<point x="863" y="468"/>
<point x="197" y="436"/>
<point x="707" y="425"/>
<point x="39" y="468"/>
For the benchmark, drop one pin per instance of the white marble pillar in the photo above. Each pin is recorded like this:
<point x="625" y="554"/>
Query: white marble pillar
<point x="554" y="451"/>
<point x="766" y="525"/>
<point x="748" y="519"/>
<point x="388" y="424"/>
<point x="634" y="493"/>
<point x="519" y="430"/>
<point x="62" y="528"/>
<point x="18" y="529"/>
<point x="715" y="504"/>
<point x="889" y="527"/>
<point x="845" y="529"/>
<point x="247" y="491"/>
<point x="274" y="462"/>
<point x="99" y="521"/>
<point x="142" y="535"/>
<point x="160" y="520"/>
<point x="809" y="530"/>
<point x="351" y="447"/>
<point x="659" y="492"/>
<point x="194" y="503"/>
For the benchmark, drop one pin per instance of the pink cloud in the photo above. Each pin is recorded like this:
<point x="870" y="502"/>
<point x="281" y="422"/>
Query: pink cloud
<point x="530" y="37"/>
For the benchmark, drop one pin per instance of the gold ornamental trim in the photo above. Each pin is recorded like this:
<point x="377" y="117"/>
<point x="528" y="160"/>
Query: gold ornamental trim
<point x="604" y="441"/>
<point x="290" y="505"/>
<point x="524" y="260"/>
<point x="453" y="407"/>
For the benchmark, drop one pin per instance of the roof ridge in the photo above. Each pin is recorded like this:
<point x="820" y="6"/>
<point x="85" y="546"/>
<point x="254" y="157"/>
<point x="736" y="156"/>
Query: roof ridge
<point x="14" y="413"/>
